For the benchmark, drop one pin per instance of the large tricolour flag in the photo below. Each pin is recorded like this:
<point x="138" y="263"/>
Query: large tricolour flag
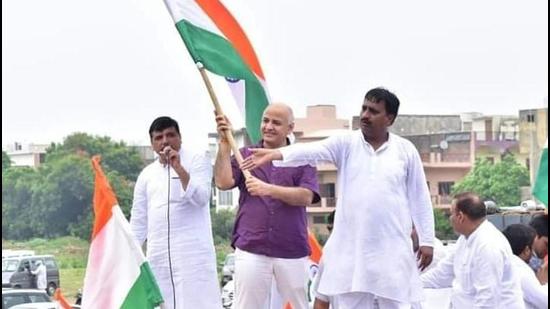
<point x="215" y="39"/>
<point x="117" y="275"/>
<point x="540" y="190"/>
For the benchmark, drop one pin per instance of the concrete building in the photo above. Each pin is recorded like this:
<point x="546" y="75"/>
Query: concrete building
<point x="31" y="155"/>
<point x="533" y="134"/>
<point x="496" y="136"/>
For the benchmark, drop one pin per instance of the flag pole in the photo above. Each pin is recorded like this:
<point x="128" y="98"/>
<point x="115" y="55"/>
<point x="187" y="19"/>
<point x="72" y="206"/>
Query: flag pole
<point x="218" y="109"/>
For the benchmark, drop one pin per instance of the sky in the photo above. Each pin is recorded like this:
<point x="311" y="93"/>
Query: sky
<point x="110" y="67"/>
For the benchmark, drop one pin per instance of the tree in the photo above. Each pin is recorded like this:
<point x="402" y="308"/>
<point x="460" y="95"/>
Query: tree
<point x="56" y="199"/>
<point x="443" y="228"/>
<point x="17" y="188"/>
<point x="115" y="156"/>
<point x="222" y="225"/>
<point x="500" y="182"/>
<point x="6" y="162"/>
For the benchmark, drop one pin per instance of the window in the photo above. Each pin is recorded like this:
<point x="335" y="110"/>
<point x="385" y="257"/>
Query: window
<point x="530" y="118"/>
<point x="225" y="198"/>
<point x="50" y="263"/>
<point x="319" y="220"/>
<point x="491" y="160"/>
<point x="445" y="187"/>
<point x="327" y="190"/>
<point x="528" y="164"/>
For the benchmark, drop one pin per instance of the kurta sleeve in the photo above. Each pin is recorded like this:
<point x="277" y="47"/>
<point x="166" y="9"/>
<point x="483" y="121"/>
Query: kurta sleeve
<point x="200" y="182"/>
<point x="138" y="215"/>
<point x="329" y="150"/>
<point x="487" y="269"/>
<point x="533" y="292"/>
<point x="441" y="276"/>
<point x="419" y="199"/>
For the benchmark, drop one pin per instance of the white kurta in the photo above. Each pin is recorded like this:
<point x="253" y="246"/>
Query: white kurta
<point x="480" y="272"/>
<point x="191" y="245"/>
<point x="378" y="193"/>
<point x="535" y="294"/>
<point x="41" y="277"/>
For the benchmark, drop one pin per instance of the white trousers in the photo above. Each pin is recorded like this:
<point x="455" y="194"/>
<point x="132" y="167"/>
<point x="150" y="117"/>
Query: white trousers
<point x="358" y="300"/>
<point x="253" y="280"/>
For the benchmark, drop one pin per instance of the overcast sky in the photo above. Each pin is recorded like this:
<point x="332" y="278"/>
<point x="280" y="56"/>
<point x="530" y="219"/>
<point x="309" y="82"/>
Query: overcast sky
<point x="109" y="67"/>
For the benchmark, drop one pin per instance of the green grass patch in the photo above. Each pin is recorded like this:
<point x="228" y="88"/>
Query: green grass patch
<point x="72" y="279"/>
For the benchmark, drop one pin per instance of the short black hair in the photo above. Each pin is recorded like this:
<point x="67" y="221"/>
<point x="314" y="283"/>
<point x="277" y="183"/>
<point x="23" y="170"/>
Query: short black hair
<point x="519" y="236"/>
<point x="391" y="102"/>
<point x="540" y="224"/>
<point x="471" y="205"/>
<point x="162" y="123"/>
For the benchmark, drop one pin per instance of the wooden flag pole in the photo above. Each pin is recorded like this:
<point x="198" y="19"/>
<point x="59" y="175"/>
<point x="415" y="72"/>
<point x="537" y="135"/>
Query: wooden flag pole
<point x="218" y="109"/>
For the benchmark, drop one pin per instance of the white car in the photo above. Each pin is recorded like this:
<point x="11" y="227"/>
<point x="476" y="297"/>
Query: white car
<point x="13" y="297"/>
<point x="48" y="305"/>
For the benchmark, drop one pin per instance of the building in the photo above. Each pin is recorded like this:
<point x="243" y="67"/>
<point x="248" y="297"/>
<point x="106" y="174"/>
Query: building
<point x="533" y="134"/>
<point x="31" y="155"/>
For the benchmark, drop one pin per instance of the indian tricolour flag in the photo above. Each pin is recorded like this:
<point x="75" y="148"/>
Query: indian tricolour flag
<point x="540" y="190"/>
<point x="215" y="39"/>
<point x="117" y="275"/>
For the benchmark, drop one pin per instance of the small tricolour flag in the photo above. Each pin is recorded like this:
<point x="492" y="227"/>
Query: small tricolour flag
<point x="117" y="274"/>
<point x="62" y="303"/>
<point x="216" y="40"/>
<point x="540" y="189"/>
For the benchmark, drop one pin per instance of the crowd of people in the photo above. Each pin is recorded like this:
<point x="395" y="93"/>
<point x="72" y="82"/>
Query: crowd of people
<point x="382" y="251"/>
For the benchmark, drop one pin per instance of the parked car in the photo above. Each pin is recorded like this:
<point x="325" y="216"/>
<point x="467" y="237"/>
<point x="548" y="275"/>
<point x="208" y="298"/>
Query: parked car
<point x="16" y="272"/>
<point x="13" y="297"/>
<point x="228" y="268"/>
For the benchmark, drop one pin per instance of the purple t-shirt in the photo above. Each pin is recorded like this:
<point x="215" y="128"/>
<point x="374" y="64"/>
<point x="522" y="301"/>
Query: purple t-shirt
<point x="268" y="226"/>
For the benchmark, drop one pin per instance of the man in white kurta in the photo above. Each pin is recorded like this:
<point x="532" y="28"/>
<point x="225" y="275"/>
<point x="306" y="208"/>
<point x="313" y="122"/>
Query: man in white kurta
<point x="178" y="230"/>
<point x="381" y="186"/>
<point x="521" y="237"/>
<point x="480" y="269"/>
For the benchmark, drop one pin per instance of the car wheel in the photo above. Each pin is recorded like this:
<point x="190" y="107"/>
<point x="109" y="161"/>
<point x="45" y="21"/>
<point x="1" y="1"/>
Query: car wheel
<point x="51" y="288"/>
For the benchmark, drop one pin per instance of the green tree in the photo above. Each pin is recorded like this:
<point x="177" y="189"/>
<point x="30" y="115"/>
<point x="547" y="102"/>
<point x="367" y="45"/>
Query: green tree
<point x="115" y="156"/>
<point x="56" y="199"/>
<point x="6" y="162"/>
<point x="500" y="182"/>
<point x="222" y="225"/>
<point x="17" y="189"/>
<point x="443" y="228"/>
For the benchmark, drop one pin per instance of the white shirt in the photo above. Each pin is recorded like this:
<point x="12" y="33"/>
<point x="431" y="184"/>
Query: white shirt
<point x="480" y="272"/>
<point x="378" y="192"/>
<point x="535" y="294"/>
<point x="41" y="277"/>
<point x="192" y="252"/>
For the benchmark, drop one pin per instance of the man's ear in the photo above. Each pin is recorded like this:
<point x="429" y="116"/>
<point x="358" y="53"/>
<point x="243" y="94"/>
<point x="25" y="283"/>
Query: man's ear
<point x="391" y="119"/>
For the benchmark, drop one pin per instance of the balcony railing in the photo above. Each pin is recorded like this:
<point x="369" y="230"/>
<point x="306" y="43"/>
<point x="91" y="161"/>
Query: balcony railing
<point x="325" y="202"/>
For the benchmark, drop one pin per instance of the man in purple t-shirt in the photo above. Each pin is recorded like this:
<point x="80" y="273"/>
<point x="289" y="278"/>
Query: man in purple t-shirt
<point x="270" y="232"/>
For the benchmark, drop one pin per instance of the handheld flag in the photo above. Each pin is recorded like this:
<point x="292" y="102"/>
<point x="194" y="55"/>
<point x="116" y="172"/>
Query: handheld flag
<point x="540" y="189"/>
<point x="216" y="40"/>
<point x="117" y="274"/>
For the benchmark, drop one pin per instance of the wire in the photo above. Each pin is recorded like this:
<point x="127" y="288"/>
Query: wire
<point x="169" y="253"/>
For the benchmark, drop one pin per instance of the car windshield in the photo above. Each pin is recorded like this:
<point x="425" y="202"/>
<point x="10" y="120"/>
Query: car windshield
<point x="9" y="265"/>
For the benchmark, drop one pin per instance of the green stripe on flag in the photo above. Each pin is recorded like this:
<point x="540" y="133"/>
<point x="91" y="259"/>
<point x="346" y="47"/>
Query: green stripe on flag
<point x="145" y="292"/>
<point x="540" y="190"/>
<point x="220" y="57"/>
